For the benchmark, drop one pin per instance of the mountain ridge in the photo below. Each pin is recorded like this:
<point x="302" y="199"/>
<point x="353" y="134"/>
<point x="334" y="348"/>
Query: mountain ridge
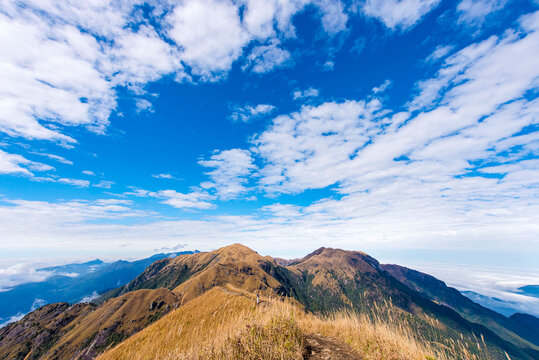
<point x="322" y="282"/>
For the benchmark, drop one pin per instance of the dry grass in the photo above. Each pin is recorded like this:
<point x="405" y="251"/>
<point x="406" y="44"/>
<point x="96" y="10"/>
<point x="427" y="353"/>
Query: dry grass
<point x="226" y="324"/>
<point x="386" y="338"/>
<point x="279" y="338"/>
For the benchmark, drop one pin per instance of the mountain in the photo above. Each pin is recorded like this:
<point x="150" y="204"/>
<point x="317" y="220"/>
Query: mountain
<point x="78" y="269"/>
<point x="527" y="322"/>
<point x="72" y="283"/>
<point x="504" y="307"/>
<point x="437" y="291"/>
<point x="529" y="290"/>
<point x="207" y="286"/>
<point x="189" y="276"/>
<point x="63" y="331"/>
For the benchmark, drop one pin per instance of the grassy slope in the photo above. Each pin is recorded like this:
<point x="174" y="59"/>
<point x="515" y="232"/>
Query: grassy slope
<point x="326" y="280"/>
<point x="31" y="337"/>
<point x="112" y="322"/>
<point x="82" y="331"/>
<point x="225" y="323"/>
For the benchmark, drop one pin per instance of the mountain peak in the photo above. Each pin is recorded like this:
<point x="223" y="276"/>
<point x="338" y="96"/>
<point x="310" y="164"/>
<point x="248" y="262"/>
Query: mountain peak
<point x="236" y="247"/>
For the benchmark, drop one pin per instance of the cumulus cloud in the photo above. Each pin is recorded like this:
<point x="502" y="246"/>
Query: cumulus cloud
<point x="197" y="199"/>
<point x="74" y="182"/>
<point x="72" y="216"/>
<point x="32" y="89"/>
<point x="105" y="184"/>
<point x="17" y="164"/>
<point x="176" y="247"/>
<point x="307" y="149"/>
<point x="307" y="93"/>
<point x="440" y="52"/>
<point x="62" y="63"/>
<point x="383" y="87"/>
<point x="334" y="17"/>
<point x="208" y="46"/>
<point x="266" y="58"/>
<point x="21" y="273"/>
<point x="230" y="174"/>
<point x="247" y="113"/>
<point x="398" y="14"/>
<point x="143" y="105"/>
<point x="58" y="158"/>
<point x="351" y="144"/>
<point x="162" y="176"/>
<point x="473" y="12"/>
<point x="103" y="45"/>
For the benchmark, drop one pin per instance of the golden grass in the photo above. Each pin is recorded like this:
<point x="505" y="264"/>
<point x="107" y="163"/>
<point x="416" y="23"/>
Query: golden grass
<point x="227" y="324"/>
<point x="279" y="338"/>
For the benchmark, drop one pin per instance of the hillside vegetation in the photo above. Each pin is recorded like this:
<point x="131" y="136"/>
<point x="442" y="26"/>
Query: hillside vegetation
<point x="227" y="324"/>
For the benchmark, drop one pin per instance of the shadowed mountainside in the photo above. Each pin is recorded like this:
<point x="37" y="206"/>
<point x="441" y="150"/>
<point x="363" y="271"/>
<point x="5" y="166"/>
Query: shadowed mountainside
<point x="439" y="292"/>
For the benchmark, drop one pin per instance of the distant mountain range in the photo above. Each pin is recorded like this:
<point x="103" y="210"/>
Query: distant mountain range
<point x="72" y="283"/>
<point x="529" y="290"/>
<point x="505" y="307"/>
<point x="129" y="321"/>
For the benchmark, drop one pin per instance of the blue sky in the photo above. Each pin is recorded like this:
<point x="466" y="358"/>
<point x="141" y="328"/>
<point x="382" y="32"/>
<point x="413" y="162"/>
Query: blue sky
<point x="406" y="129"/>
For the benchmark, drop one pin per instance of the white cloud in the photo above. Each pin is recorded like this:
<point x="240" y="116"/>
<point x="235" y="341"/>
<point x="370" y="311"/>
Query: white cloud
<point x="74" y="182"/>
<point x="62" y="62"/>
<point x="104" y="184"/>
<point x="11" y="319"/>
<point x="197" y="199"/>
<point x="334" y="17"/>
<point x="33" y="88"/>
<point x="58" y="158"/>
<point x="17" y="164"/>
<point x="176" y="247"/>
<point x="209" y="47"/>
<point x="440" y="52"/>
<point x="19" y="274"/>
<point x="475" y="11"/>
<point x="138" y="192"/>
<point x="230" y="174"/>
<point x="248" y="112"/>
<point x="259" y="17"/>
<point x="398" y="14"/>
<point x="162" y="176"/>
<point x="142" y="56"/>
<point x="307" y="93"/>
<point x="69" y="215"/>
<point x="307" y="149"/>
<point x="88" y="172"/>
<point x="266" y="58"/>
<point x="143" y="105"/>
<point x="264" y="18"/>
<point x="383" y="87"/>
<point x="89" y="298"/>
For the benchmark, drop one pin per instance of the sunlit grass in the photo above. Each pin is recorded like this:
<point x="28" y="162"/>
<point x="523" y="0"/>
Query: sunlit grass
<point x="227" y="324"/>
